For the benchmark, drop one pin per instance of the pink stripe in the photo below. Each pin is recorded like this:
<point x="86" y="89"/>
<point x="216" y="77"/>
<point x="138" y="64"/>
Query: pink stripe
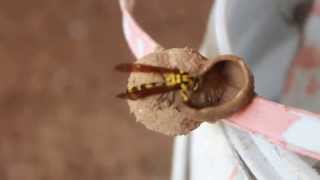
<point x="234" y="172"/>
<point x="308" y="58"/>
<point x="313" y="86"/>
<point x="295" y="148"/>
<point x="271" y="120"/>
<point x="308" y="113"/>
<point x="301" y="151"/>
<point x="290" y="81"/>
<point x="316" y="9"/>
<point x="264" y="117"/>
<point x="137" y="34"/>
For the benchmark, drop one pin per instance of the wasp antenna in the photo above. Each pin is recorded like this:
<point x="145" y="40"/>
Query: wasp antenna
<point x="125" y="67"/>
<point x="122" y="96"/>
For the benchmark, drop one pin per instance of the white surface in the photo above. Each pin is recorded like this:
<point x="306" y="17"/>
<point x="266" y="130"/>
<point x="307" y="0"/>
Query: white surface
<point x="251" y="155"/>
<point x="212" y="156"/>
<point x="180" y="153"/>
<point x="257" y="31"/>
<point x="312" y="28"/>
<point x="297" y="135"/>
<point x="288" y="165"/>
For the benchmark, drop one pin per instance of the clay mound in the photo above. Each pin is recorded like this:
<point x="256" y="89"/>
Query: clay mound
<point x="226" y="86"/>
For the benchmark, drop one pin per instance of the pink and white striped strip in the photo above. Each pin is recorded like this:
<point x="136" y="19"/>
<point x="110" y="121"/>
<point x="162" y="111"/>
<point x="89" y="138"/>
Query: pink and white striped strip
<point x="139" y="42"/>
<point x="230" y="169"/>
<point x="291" y="128"/>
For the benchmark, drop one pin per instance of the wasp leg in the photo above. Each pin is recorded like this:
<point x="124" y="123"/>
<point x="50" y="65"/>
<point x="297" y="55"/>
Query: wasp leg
<point x="163" y="77"/>
<point x="162" y="98"/>
<point x="159" y="100"/>
<point x="184" y="94"/>
<point x="171" y="98"/>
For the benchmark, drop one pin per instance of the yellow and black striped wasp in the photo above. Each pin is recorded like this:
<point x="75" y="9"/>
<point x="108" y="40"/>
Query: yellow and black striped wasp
<point x="174" y="80"/>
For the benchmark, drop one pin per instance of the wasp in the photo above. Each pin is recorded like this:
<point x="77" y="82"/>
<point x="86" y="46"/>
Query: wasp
<point x="173" y="80"/>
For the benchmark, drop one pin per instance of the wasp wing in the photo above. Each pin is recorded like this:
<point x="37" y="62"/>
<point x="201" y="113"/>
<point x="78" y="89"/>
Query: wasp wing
<point x="136" y="67"/>
<point x="144" y="92"/>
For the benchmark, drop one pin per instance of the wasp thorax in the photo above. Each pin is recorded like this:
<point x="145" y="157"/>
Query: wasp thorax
<point x="201" y="90"/>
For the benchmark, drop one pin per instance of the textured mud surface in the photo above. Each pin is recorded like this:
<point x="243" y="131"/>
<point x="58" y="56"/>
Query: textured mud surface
<point x="225" y="85"/>
<point x="59" y="117"/>
<point x="162" y="112"/>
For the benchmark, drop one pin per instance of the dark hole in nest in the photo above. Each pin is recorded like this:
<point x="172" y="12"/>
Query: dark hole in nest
<point x="220" y="84"/>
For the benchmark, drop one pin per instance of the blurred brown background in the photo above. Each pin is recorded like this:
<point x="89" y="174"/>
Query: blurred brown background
<point x="58" y="115"/>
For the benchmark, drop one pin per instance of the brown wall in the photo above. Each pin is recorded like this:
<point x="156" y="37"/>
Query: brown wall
<point x="59" y="118"/>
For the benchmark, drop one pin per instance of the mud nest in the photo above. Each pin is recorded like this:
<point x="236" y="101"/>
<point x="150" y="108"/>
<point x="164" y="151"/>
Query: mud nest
<point x="226" y="86"/>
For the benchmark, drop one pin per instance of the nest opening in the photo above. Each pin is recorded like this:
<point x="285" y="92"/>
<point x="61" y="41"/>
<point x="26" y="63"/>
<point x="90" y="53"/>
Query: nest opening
<point x="219" y="84"/>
